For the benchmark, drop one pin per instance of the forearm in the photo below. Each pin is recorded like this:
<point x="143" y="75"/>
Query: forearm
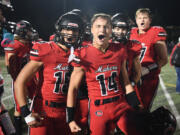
<point x="126" y="81"/>
<point x="20" y="91"/>
<point x="161" y="51"/>
<point x="136" y="69"/>
<point x="23" y="78"/>
<point x="162" y="62"/>
<point x="13" y="65"/>
<point x="75" y="81"/>
<point x="71" y="98"/>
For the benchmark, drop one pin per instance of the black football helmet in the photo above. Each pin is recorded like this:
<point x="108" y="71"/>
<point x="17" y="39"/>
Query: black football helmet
<point x="87" y="27"/>
<point x="22" y="29"/>
<point x="81" y="14"/>
<point x="35" y="35"/>
<point x="120" y="20"/>
<point x="70" y="21"/>
<point x="6" y="8"/>
<point x="161" y="122"/>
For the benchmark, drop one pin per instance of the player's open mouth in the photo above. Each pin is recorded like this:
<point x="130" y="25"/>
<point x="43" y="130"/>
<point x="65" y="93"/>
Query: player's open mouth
<point x="69" y="39"/>
<point x="101" y="37"/>
<point x="142" y="24"/>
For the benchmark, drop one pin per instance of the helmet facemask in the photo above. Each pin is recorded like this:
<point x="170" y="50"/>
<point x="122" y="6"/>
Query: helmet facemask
<point x="68" y="36"/>
<point x="119" y="32"/>
<point x="120" y="27"/>
<point x="25" y="30"/>
<point x="69" y="30"/>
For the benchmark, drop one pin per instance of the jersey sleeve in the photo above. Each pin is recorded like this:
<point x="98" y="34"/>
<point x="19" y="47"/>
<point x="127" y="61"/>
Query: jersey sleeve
<point x="12" y="47"/>
<point x="39" y="51"/>
<point x="79" y="56"/>
<point x="160" y="34"/>
<point x="76" y="61"/>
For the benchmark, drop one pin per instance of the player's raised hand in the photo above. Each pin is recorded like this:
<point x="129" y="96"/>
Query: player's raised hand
<point x="74" y="127"/>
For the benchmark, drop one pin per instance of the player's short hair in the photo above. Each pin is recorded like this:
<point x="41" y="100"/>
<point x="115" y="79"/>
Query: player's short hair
<point x="101" y="15"/>
<point x="144" y="10"/>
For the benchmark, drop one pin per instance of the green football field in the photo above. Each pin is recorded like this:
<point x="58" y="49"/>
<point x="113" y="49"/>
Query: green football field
<point x="166" y="94"/>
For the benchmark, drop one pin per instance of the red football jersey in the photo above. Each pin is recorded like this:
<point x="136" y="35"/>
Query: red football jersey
<point x="54" y="79"/>
<point x="148" y="40"/>
<point x="84" y="43"/>
<point x="20" y="49"/>
<point x="21" y="57"/>
<point x="102" y="69"/>
<point x="133" y="50"/>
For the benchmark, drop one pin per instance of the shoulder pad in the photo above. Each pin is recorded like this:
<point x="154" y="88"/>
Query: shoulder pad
<point x="159" y="30"/>
<point x="157" y="27"/>
<point x="41" y="48"/>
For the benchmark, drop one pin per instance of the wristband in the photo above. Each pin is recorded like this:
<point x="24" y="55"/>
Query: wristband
<point x="132" y="99"/>
<point x="152" y="67"/>
<point x="25" y="111"/>
<point x="70" y="114"/>
<point x="29" y="118"/>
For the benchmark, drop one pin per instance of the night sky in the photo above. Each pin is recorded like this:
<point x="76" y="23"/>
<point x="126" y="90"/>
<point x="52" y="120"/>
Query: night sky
<point x="44" y="13"/>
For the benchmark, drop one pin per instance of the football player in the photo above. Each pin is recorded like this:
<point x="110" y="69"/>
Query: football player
<point x="50" y="59"/>
<point x="17" y="52"/>
<point x="120" y="32"/>
<point x="82" y="96"/>
<point x="153" y="54"/>
<point x="102" y="62"/>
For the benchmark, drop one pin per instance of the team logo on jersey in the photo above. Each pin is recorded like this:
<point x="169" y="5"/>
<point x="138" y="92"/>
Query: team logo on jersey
<point x="61" y="67"/>
<point x="99" y="113"/>
<point x="105" y="69"/>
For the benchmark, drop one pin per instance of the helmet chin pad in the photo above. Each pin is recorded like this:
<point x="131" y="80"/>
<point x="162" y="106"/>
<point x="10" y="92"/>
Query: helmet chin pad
<point x="59" y="37"/>
<point x="119" y="38"/>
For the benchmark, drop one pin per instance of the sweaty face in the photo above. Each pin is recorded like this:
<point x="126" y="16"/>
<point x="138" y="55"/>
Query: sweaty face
<point x="101" y="31"/>
<point x="143" y="21"/>
<point x="70" y="35"/>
